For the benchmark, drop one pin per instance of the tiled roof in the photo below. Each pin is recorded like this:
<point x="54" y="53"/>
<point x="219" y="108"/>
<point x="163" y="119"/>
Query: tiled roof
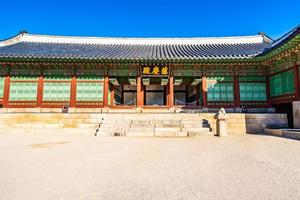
<point x="282" y="40"/>
<point x="42" y="46"/>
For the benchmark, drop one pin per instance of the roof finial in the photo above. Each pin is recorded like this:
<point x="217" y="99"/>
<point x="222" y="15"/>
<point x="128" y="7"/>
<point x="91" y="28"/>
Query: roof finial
<point x="266" y="38"/>
<point x="22" y="32"/>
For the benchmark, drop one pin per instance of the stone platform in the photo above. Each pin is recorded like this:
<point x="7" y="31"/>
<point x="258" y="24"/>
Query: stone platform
<point x="132" y="123"/>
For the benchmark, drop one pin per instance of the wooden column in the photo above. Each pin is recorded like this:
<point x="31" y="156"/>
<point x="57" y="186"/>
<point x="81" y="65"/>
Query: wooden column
<point x="139" y="92"/>
<point x="268" y="91"/>
<point x="40" y="90"/>
<point x="73" y="92"/>
<point x="297" y="82"/>
<point x="171" y="91"/>
<point x="105" y="91"/>
<point x="237" y="99"/>
<point x="204" y="92"/>
<point x="6" y="91"/>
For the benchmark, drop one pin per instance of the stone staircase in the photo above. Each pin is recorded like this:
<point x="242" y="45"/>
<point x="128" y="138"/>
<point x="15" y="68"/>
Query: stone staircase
<point x="106" y="124"/>
<point x="168" y="125"/>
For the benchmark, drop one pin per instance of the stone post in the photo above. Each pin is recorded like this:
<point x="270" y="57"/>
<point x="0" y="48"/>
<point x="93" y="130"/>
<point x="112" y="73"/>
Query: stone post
<point x="221" y="117"/>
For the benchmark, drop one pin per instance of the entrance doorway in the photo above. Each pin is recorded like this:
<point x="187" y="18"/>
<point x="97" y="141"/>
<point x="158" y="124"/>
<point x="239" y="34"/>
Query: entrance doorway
<point x="155" y="95"/>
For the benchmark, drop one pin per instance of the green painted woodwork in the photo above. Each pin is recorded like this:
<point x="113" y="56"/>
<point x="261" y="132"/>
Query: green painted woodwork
<point x="23" y="70"/>
<point x="90" y="78"/>
<point x="56" y="91"/>
<point x="89" y="91"/>
<point x="24" y="78"/>
<point x="220" y="91"/>
<point x="23" y="91"/>
<point x="57" y="78"/>
<point x="221" y="78"/>
<point x="108" y="98"/>
<point x="123" y="70"/>
<point x="2" y="79"/>
<point x="253" y="91"/>
<point x="252" y="78"/>
<point x="283" y="83"/>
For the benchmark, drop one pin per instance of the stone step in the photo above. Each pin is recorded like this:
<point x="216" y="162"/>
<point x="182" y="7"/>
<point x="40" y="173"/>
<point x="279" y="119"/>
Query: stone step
<point x="168" y="126"/>
<point x="141" y="129"/>
<point x="167" y="129"/>
<point x="114" y="125"/>
<point x="140" y="134"/>
<point x="58" y="131"/>
<point x="171" y="134"/>
<point x="197" y="131"/>
<point x="140" y="122"/>
<point x="193" y="125"/>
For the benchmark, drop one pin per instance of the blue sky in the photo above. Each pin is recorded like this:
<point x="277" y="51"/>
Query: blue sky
<point x="155" y="18"/>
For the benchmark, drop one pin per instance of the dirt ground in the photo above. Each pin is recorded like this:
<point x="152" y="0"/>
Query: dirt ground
<point x="37" y="167"/>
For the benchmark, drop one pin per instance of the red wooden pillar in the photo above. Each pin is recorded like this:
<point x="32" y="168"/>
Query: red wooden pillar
<point x="204" y="92"/>
<point x="6" y="91"/>
<point x="139" y="92"/>
<point x="171" y="91"/>
<point x="105" y="91"/>
<point x="40" y="90"/>
<point x="297" y="82"/>
<point x="268" y="91"/>
<point x="73" y="92"/>
<point x="237" y="101"/>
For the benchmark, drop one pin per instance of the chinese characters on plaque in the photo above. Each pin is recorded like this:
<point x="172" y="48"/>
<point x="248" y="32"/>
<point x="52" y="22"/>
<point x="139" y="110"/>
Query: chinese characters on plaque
<point x="155" y="70"/>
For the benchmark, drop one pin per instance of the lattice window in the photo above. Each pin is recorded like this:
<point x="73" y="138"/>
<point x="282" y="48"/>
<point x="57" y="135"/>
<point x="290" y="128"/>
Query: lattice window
<point x="23" y="91"/>
<point x="282" y="83"/>
<point x="56" y="91"/>
<point x="220" y="91"/>
<point x="1" y="86"/>
<point x="253" y="91"/>
<point x="89" y="91"/>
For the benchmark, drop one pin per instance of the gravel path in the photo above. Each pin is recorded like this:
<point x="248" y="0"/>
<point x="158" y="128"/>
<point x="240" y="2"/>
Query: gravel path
<point x="83" y="167"/>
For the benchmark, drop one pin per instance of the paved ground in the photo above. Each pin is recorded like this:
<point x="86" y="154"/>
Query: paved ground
<point x="74" y="167"/>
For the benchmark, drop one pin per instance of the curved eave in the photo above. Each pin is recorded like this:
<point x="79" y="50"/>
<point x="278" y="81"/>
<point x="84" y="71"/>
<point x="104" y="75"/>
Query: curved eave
<point x="286" y="42"/>
<point x="135" y="60"/>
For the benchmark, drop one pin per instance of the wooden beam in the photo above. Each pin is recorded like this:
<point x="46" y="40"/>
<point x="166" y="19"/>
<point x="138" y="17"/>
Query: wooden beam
<point x="139" y="92"/>
<point x="40" y="90"/>
<point x="6" y="91"/>
<point x="105" y="91"/>
<point x="73" y="92"/>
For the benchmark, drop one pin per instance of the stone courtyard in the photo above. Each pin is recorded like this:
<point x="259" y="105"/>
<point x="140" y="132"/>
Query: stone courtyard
<point x="36" y="167"/>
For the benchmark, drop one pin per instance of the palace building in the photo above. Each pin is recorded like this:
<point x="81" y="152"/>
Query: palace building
<point x="247" y="73"/>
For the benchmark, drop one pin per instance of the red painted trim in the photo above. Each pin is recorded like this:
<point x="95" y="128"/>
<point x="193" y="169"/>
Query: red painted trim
<point x="73" y="92"/>
<point x="204" y="91"/>
<point x="40" y="91"/>
<point x="6" y="91"/>
<point x="237" y="92"/>
<point x="105" y="91"/>
<point x="297" y="82"/>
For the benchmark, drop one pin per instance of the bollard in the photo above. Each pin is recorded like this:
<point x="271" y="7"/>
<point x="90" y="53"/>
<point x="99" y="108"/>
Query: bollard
<point x="221" y="117"/>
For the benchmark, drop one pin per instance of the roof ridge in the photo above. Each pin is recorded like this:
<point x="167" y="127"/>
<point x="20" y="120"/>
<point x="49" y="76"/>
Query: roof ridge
<point x="26" y="37"/>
